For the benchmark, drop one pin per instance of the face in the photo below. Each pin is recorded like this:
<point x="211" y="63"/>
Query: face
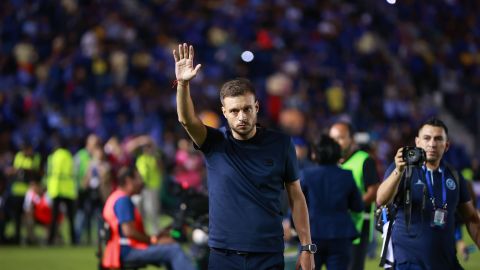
<point x="434" y="141"/>
<point x="28" y="151"/>
<point x="241" y="114"/>
<point x="136" y="183"/>
<point x="93" y="141"/>
<point x="341" y="134"/>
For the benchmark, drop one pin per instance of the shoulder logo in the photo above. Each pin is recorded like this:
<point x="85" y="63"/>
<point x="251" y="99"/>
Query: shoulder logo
<point x="451" y="184"/>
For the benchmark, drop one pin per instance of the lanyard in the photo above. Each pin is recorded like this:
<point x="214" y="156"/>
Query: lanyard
<point x="430" y="188"/>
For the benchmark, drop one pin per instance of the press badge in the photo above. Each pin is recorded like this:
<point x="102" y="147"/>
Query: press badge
<point x="439" y="218"/>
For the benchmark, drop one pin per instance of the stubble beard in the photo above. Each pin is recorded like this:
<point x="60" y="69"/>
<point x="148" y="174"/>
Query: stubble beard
<point x="243" y="132"/>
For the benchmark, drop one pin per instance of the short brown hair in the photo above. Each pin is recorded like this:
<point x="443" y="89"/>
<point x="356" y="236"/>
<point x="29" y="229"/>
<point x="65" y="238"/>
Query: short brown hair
<point x="126" y="172"/>
<point x="237" y="87"/>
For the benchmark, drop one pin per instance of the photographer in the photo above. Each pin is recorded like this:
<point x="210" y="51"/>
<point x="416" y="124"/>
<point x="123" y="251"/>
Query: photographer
<point x="426" y="201"/>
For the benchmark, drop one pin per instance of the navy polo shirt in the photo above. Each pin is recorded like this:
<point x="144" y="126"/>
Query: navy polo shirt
<point x="245" y="181"/>
<point x="429" y="247"/>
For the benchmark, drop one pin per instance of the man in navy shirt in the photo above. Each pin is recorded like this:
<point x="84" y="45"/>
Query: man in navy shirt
<point x="424" y="239"/>
<point x="248" y="167"/>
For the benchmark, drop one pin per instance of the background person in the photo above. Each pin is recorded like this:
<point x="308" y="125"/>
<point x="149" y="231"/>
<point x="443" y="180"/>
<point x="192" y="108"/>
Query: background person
<point x="150" y="166"/>
<point x="61" y="187"/>
<point x="128" y="241"/>
<point x="331" y="194"/>
<point x="366" y="178"/>
<point x="38" y="210"/>
<point x="428" y="242"/>
<point x="26" y="165"/>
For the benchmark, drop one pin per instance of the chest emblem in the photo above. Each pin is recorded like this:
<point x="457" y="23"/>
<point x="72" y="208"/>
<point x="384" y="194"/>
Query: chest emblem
<point x="419" y="182"/>
<point x="268" y="162"/>
<point x="451" y="184"/>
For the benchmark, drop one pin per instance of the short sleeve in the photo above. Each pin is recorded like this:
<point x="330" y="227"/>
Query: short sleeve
<point x="464" y="194"/>
<point x="213" y="135"/>
<point x="389" y="171"/>
<point x="124" y="210"/>
<point x="291" y="170"/>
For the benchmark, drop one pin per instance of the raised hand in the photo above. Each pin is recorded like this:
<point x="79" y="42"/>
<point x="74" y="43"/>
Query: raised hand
<point x="184" y="70"/>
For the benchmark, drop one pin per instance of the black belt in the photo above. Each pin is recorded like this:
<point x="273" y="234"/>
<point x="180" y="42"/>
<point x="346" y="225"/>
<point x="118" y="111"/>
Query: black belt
<point x="232" y="252"/>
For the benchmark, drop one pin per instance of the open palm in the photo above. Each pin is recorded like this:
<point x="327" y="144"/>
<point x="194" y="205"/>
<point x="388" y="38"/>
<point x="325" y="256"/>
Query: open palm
<point x="184" y="70"/>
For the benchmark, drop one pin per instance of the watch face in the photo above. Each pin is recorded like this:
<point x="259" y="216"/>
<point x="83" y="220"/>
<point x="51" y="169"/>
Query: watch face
<point x="312" y="248"/>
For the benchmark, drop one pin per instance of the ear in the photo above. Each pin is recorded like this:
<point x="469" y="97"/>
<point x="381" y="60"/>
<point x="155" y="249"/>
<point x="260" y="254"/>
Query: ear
<point x="224" y="111"/>
<point x="447" y="146"/>
<point x="417" y="141"/>
<point x="257" y="106"/>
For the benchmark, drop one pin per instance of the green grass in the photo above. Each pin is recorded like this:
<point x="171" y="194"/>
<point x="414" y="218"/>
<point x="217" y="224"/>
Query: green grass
<point x="83" y="258"/>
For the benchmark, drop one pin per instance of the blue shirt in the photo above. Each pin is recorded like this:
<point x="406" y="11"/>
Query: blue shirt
<point x="331" y="193"/>
<point x="125" y="212"/>
<point x="245" y="181"/>
<point x="432" y="248"/>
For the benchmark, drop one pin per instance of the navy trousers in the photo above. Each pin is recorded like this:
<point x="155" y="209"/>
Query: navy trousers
<point x="221" y="259"/>
<point x="334" y="253"/>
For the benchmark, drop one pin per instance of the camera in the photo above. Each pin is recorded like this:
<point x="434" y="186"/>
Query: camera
<point x="413" y="156"/>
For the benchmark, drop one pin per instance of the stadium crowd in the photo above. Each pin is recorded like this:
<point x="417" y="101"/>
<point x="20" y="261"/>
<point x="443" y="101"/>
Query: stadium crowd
<point x="70" y="70"/>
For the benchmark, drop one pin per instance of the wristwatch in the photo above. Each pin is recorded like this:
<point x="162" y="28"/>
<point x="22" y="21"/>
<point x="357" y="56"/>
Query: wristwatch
<point x="312" y="248"/>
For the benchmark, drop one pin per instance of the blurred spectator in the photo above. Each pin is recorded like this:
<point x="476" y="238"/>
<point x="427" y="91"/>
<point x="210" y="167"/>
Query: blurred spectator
<point x="362" y="166"/>
<point x="128" y="242"/>
<point x="150" y="167"/>
<point x="81" y="164"/>
<point x="103" y="66"/>
<point x="302" y="151"/>
<point x="26" y="167"/>
<point x="189" y="166"/>
<point x="117" y="157"/>
<point x="38" y="210"/>
<point x="97" y="185"/>
<point x="61" y="187"/>
<point x="331" y="194"/>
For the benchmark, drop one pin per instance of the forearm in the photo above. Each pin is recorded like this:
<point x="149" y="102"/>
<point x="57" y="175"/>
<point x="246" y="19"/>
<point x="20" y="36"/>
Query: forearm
<point x="370" y="195"/>
<point x="387" y="190"/>
<point x="130" y="232"/>
<point x="474" y="231"/>
<point x="185" y="108"/>
<point x="300" y="219"/>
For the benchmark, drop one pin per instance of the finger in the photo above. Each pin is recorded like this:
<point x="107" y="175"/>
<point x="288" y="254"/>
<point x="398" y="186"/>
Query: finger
<point x="197" y="68"/>
<point x="185" y="50"/>
<point x="175" y="56"/>
<point x="180" y="51"/>
<point x="191" y="53"/>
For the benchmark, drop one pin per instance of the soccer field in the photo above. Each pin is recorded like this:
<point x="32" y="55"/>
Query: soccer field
<point x="83" y="258"/>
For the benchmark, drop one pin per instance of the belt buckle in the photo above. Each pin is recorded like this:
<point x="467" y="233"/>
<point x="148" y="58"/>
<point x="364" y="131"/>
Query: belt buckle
<point x="241" y="253"/>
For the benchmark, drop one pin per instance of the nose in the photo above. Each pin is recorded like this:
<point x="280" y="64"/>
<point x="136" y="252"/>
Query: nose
<point x="242" y="116"/>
